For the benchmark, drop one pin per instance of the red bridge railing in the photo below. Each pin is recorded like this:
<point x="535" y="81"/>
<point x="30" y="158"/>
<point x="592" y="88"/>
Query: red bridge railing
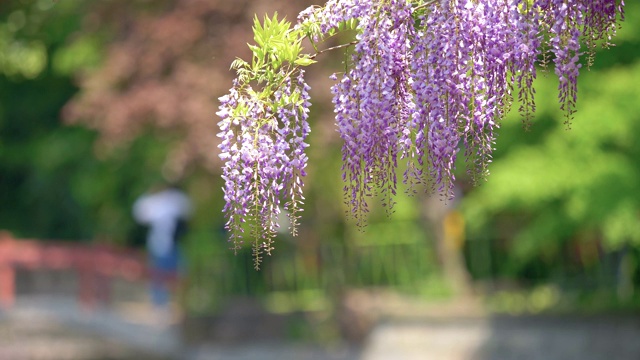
<point x="95" y="265"/>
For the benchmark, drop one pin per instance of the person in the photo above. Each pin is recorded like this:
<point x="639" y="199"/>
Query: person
<point x="165" y="212"/>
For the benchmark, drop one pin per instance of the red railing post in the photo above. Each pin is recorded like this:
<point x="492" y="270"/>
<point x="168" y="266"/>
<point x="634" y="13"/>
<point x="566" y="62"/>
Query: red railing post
<point x="7" y="272"/>
<point x="86" y="278"/>
<point x="106" y="263"/>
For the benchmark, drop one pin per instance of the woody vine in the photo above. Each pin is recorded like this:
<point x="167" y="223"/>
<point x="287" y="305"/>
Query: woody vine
<point x="423" y="81"/>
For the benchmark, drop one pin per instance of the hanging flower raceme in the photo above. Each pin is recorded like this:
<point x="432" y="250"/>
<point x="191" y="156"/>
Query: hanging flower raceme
<point x="437" y="71"/>
<point x="263" y="132"/>
<point x="423" y="79"/>
<point x="525" y="18"/>
<point x="372" y="105"/>
<point x="600" y="23"/>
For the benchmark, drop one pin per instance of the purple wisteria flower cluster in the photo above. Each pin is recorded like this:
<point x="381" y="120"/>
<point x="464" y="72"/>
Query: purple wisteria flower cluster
<point x="263" y="149"/>
<point x="373" y="104"/>
<point x="425" y="78"/>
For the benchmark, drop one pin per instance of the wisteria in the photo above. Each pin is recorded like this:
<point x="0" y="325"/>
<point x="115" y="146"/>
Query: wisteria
<point x="423" y="80"/>
<point x="373" y="105"/>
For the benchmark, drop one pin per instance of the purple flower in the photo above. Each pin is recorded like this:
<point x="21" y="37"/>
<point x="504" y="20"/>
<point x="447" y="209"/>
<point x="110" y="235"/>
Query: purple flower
<point x="373" y="104"/>
<point x="425" y="79"/>
<point x="565" y="19"/>
<point x="264" y="159"/>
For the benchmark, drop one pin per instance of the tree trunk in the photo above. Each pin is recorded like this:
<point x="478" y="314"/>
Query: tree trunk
<point x="447" y="226"/>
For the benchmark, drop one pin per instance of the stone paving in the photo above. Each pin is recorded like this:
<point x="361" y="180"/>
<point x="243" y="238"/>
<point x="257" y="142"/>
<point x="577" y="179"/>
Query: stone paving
<point x="51" y="328"/>
<point x="54" y="328"/>
<point x="517" y="338"/>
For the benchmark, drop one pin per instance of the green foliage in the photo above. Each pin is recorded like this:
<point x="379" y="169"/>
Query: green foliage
<point x="571" y="184"/>
<point x="31" y="31"/>
<point x="27" y="59"/>
<point x="20" y="57"/>
<point x="277" y="46"/>
<point x="53" y="184"/>
<point x="83" y="53"/>
<point x="276" y="57"/>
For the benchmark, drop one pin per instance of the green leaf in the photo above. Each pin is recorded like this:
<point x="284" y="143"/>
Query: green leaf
<point x="238" y="64"/>
<point x="304" y="61"/>
<point x="257" y="28"/>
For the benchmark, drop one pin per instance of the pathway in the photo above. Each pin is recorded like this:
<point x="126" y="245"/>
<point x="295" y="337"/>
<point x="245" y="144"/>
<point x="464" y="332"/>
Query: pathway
<point x="47" y="328"/>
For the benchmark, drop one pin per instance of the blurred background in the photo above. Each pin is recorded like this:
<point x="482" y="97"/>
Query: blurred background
<point x="101" y="100"/>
